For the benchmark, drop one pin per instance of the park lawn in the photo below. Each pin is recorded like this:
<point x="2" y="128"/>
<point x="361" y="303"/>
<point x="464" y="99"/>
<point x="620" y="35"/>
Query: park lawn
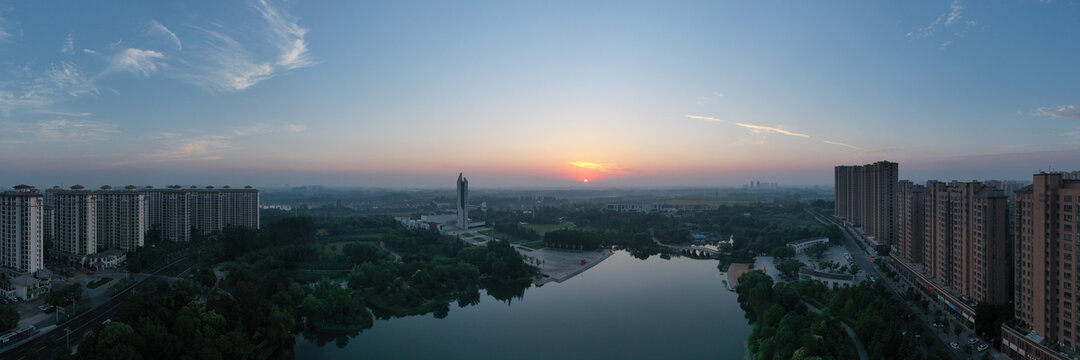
<point x="333" y="249"/>
<point x="373" y="236"/>
<point x="545" y="228"/>
<point x="467" y="235"/>
<point x="534" y="244"/>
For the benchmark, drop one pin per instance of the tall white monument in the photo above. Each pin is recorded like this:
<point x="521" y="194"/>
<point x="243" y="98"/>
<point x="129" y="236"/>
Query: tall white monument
<point x="463" y="202"/>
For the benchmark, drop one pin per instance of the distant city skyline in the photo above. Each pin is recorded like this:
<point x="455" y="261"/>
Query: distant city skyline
<point x="624" y="94"/>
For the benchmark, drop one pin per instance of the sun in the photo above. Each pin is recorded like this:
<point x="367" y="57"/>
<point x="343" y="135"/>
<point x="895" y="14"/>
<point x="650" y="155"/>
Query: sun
<point x="586" y="180"/>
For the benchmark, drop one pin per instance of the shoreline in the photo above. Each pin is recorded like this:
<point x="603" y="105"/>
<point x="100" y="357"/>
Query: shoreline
<point x="567" y="276"/>
<point x="734" y="271"/>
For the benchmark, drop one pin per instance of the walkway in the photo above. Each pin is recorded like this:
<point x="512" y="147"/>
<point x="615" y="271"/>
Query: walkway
<point x="851" y="333"/>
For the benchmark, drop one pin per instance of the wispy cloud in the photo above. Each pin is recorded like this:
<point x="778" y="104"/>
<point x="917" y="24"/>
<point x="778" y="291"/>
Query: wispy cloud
<point x="759" y="129"/>
<point x="203" y="148"/>
<point x="289" y="36"/>
<point x="704" y="118"/>
<point x="718" y="94"/>
<point x="69" y="79"/>
<point x="60" y="130"/>
<point x="138" y="61"/>
<point x="844" y="145"/>
<point x="156" y="29"/>
<point x="62" y="113"/>
<point x="589" y="165"/>
<point x="69" y="44"/>
<point x="260" y="129"/>
<point x="952" y="16"/>
<point x="1059" y="112"/>
<point x="225" y="64"/>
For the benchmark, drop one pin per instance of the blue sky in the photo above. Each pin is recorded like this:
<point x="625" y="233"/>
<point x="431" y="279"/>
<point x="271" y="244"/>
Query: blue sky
<point x="533" y="93"/>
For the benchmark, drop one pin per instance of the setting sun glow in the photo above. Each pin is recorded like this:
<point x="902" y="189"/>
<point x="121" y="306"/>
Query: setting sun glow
<point x="586" y="180"/>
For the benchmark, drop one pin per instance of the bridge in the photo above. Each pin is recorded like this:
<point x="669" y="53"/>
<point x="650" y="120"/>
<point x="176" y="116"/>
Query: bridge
<point x="692" y="251"/>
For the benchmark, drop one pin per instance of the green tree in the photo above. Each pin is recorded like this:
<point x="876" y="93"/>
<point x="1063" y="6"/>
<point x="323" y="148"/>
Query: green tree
<point x="817" y="250"/>
<point x="789" y="267"/>
<point x="9" y="318"/>
<point x="782" y="252"/>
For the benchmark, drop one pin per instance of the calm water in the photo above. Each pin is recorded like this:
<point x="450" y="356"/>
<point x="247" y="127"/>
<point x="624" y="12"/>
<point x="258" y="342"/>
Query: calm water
<point x="622" y="308"/>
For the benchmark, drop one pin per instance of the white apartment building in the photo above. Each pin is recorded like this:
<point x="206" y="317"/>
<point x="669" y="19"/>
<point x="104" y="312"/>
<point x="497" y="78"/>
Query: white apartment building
<point x="74" y="222"/>
<point x="21" y="237"/>
<point x="120" y="218"/>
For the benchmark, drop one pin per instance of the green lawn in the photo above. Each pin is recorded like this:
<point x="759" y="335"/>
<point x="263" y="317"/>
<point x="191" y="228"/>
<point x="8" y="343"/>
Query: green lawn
<point x="534" y="244"/>
<point x="545" y="228"/>
<point x="333" y="249"/>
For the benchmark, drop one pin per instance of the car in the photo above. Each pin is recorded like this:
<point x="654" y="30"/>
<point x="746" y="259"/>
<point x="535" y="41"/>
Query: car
<point x="983" y="347"/>
<point x="973" y="340"/>
<point x="954" y="345"/>
<point x="938" y="325"/>
<point x="45" y="307"/>
<point x="106" y="322"/>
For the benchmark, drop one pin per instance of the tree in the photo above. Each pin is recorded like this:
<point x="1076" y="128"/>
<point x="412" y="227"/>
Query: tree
<point x="817" y="250"/>
<point x="789" y="267"/>
<point x="782" y="252"/>
<point x="206" y="277"/>
<point x="9" y="318"/>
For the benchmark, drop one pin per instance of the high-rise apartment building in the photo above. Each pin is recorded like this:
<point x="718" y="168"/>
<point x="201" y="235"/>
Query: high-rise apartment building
<point x="958" y="235"/>
<point x="120" y="218"/>
<point x="866" y="196"/>
<point x="240" y="207"/>
<point x="175" y="212"/>
<point x="74" y="217"/>
<point x="21" y="233"/>
<point x="1048" y="255"/>
<point x="910" y="215"/>
<point x="462" y="201"/>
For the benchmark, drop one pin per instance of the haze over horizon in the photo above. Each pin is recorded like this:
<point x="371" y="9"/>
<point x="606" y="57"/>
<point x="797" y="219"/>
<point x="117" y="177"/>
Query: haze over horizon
<point x="625" y="94"/>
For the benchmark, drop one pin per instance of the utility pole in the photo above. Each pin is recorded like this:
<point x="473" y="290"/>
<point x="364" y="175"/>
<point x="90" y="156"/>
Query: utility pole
<point x="68" y="336"/>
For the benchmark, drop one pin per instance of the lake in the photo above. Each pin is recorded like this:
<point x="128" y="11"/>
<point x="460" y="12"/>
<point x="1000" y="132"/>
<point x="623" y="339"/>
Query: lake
<point x="623" y="308"/>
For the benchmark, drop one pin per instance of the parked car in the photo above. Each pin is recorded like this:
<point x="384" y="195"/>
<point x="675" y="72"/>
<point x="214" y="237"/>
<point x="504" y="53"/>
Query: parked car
<point x="938" y="325"/>
<point x="106" y="322"/>
<point x="983" y="347"/>
<point x="954" y="345"/>
<point x="973" y="340"/>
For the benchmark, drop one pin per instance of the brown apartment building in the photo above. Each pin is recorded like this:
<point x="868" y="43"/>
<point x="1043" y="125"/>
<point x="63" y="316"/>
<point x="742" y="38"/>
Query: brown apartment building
<point x="955" y="236"/>
<point x="1047" y="251"/>
<point x="866" y="196"/>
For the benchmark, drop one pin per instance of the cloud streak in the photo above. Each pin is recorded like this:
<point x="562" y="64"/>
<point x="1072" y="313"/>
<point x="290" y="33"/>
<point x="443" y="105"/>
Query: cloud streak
<point x="60" y="130"/>
<point x="704" y="118"/>
<point x="157" y="29"/>
<point x="843" y="144"/>
<point x="589" y="165"/>
<point x="1060" y="112"/>
<point x="759" y="129"/>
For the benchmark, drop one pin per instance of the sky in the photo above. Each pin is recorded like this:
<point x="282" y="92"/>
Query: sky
<point x="546" y="94"/>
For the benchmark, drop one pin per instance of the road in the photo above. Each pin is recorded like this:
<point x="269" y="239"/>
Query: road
<point x="863" y="260"/>
<point x="45" y="346"/>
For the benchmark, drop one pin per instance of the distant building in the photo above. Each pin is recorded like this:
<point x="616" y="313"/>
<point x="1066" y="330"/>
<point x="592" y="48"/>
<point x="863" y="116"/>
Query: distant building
<point x="865" y="196"/>
<point x="630" y="207"/>
<point x="174" y="212"/>
<point x="462" y="202"/>
<point x="74" y="229"/>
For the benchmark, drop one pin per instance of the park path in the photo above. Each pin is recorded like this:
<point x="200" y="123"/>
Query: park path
<point x="851" y="333"/>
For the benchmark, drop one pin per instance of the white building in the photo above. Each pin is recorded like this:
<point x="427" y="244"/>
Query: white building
<point x="74" y="230"/>
<point x="120" y="218"/>
<point x="21" y="233"/>
<point x="108" y="259"/>
<point x="802" y="245"/>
